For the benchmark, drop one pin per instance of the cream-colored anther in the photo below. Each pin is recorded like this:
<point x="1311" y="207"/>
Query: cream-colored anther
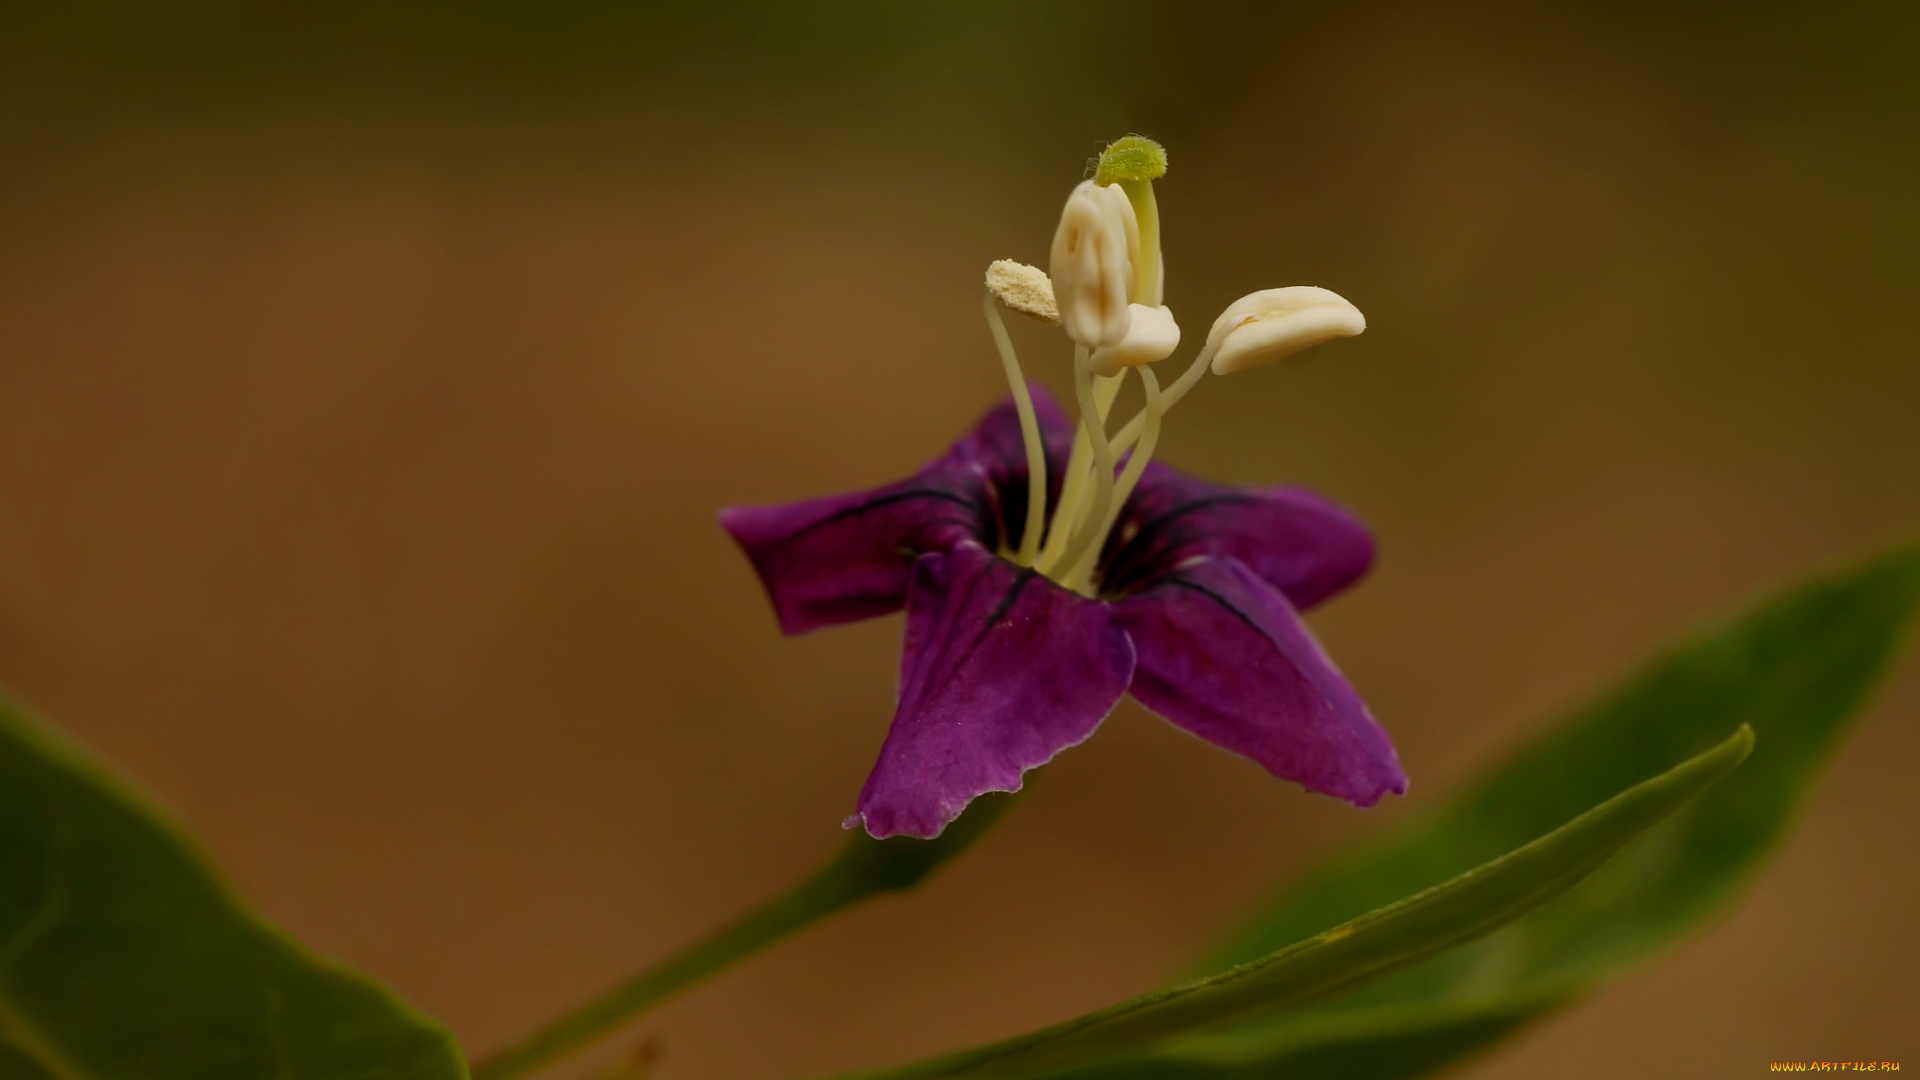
<point x="1024" y="289"/>
<point x="1152" y="335"/>
<point x="1272" y="324"/>
<point x="1092" y="264"/>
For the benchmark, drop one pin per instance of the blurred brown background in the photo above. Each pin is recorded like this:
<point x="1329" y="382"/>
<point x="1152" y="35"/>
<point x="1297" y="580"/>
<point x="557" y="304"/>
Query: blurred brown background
<point x="369" y="380"/>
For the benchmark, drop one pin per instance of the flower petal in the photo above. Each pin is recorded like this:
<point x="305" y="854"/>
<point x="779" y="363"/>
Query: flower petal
<point x="1223" y="655"/>
<point x="1002" y="669"/>
<point x="1297" y="541"/>
<point x="849" y="557"/>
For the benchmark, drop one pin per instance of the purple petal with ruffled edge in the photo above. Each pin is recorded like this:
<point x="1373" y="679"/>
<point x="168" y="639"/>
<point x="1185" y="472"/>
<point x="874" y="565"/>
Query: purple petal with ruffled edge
<point x="850" y="557"/>
<point x="1002" y="670"/>
<point x="1223" y="655"/>
<point x="1300" y="543"/>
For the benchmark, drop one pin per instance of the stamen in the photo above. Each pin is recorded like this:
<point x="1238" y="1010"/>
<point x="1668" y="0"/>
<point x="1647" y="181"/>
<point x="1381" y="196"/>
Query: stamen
<point x="1029" y="432"/>
<point x="1025" y="289"/>
<point x="1068" y="514"/>
<point x="1094" y="419"/>
<point x="1135" y="427"/>
<point x="1081" y="574"/>
<point x="1094" y="422"/>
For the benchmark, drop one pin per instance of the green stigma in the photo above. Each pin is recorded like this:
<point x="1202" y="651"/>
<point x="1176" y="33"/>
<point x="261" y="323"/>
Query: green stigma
<point x="1134" y="162"/>
<point x="1133" y="157"/>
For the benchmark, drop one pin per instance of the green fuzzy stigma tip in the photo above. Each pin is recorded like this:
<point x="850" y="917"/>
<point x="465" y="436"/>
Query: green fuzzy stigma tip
<point x="1134" y="157"/>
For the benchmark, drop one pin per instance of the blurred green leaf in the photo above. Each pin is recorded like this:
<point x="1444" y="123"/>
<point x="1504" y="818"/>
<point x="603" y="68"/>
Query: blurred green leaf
<point x="123" y="957"/>
<point x="1467" y="907"/>
<point x="1797" y="668"/>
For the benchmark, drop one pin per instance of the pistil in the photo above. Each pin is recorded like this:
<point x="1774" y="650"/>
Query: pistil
<point x="1133" y="163"/>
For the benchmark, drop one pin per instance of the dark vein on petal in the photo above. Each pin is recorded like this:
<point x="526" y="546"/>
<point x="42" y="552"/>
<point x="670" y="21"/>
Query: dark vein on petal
<point x="1195" y="586"/>
<point x="1020" y="581"/>
<point x="884" y="501"/>
<point x="1152" y="529"/>
<point x="1012" y="596"/>
<point x="1255" y="627"/>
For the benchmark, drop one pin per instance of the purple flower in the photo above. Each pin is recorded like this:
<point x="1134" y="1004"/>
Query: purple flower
<point x="1047" y="569"/>
<point x="1196" y="612"/>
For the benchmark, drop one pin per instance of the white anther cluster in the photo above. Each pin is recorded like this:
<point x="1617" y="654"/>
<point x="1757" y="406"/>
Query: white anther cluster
<point x="1024" y="289"/>
<point x="1094" y="252"/>
<point x="1273" y="324"/>
<point x="1151" y="337"/>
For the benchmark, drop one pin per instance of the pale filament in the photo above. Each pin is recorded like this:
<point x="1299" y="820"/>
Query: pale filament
<point x="1079" y="574"/>
<point x="1081" y="523"/>
<point x="1074" y="482"/>
<point x="1093" y="425"/>
<point x="1029" y="433"/>
<point x="1135" y="428"/>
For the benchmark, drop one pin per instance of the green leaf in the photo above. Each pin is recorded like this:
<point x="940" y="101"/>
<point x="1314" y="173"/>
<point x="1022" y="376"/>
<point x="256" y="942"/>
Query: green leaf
<point x="123" y="957"/>
<point x="1797" y="667"/>
<point x="1465" y="908"/>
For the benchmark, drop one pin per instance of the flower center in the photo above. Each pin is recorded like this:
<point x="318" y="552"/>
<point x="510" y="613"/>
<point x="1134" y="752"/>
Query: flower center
<point x="1102" y="470"/>
<point x="1066" y="547"/>
<point x="1105" y="291"/>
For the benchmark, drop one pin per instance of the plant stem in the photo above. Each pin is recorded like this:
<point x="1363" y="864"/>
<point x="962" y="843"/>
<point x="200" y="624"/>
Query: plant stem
<point x="864" y="867"/>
